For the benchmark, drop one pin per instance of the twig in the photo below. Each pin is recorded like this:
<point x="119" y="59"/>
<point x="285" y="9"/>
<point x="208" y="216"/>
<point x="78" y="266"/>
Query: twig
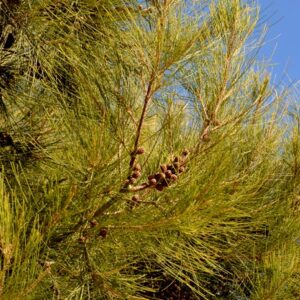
<point x="142" y="118"/>
<point x="149" y="93"/>
<point x="35" y="283"/>
<point x="100" y="211"/>
<point x="150" y="89"/>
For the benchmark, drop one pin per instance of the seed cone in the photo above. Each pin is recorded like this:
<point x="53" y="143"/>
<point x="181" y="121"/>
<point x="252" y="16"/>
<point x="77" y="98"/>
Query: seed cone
<point x="157" y="176"/>
<point x="82" y="240"/>
<point x="132" y="180"/>
<point x="171" y="168"/>
<point x="164" y="168"/>
<point x="140" y="150"/>
<point x="160" y="187"/>
<point x="135" y="198"/>
<point x="151" y="177"/>
<point x="93" y="223"/>
<point x="181" y="169"/>
<point x="168" y="173"/>
<point x="174" y="177"/>
<point x="103" y="232"/>
<point x="152" y="182"/>
<point x="136" y="174"/>
<point x="206" y="137"/>
<point x="176" y="165"/>
<point x="137" y="167"/>
<point x="216" y="122"/>
<point x="162" y="175"/>
<point x="185" y="152"/>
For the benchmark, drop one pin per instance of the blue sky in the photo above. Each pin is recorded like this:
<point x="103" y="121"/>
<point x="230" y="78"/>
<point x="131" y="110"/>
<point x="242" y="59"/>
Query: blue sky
<point x="283" y="39"/>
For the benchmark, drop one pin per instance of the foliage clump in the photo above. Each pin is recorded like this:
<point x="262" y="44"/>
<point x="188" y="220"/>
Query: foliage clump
<point x="144" y="154"/>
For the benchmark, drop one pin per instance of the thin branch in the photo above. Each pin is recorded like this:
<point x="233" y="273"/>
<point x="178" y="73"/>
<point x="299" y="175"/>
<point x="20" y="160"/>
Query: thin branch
<point x="147" y="99"/>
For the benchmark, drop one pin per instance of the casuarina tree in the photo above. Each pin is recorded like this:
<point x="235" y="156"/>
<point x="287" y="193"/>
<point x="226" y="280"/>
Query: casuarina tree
<point x="145" y="153"/>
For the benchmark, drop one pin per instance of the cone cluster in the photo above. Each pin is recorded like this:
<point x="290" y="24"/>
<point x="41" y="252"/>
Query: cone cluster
<point x="168" y="172"/>
<point x="135" y="175"/>
<point x="135" y="167"/>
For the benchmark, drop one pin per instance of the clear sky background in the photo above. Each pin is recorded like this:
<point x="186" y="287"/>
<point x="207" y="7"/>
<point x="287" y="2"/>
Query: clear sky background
<point x="283" y="39"/>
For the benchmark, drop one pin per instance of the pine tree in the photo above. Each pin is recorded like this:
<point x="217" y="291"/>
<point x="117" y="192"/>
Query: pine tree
<point x="144" y="153"/>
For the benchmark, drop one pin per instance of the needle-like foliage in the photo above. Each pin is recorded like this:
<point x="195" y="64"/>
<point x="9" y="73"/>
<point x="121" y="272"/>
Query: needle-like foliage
<point x="144" y="154"/>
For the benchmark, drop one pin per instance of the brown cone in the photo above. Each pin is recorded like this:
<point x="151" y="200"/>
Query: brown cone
<point x="205" y="137"/>
<point x="136" y="174"/>
<point x="185" y="152"/>
<point x="137" y="167"/>
<point x="151" y="177"/>
<point x="160" y="187"/>
<point x="164" y="168"/>
<point x="152" y="181"/>
<point x="140" y="150"/>
<point x="103" y="232"/>
<point x="135" y="198"/>
<point x="176" y="165"/>
<point x="93" y="223"/>
<point x="132" y="180"/>
<point x="82" y="240"/>
<point x="168" y="173"/>
<point x="174" y="177"/>
<point x="181" y="169"/>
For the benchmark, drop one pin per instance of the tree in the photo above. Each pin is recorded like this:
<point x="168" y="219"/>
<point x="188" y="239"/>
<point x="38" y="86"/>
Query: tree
<point x="144" y="154"/>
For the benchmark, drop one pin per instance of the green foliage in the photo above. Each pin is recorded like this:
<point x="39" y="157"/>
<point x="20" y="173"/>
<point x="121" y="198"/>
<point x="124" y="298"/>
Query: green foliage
<point x="144" y="154"/>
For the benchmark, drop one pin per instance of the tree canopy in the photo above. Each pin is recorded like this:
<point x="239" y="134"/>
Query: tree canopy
<point x="144" y="153"/>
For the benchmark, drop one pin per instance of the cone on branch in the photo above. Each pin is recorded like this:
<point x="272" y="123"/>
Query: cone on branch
<point x="216" y="122"/>
<point x="134" y="201"/>
<point x="205" y="137"/>
<point x="82" y="240"/>
<point x="172" y="169"/>
<point x="136" y="174"/>
<point x="185" y="153"/>
<point x="131" y="180"/>
<point x="176" y="159"/>
<point x="137" y="167"/>
<point x="93" y="223"/>
<point x="176" y="165"/>
<point x="103" y="232"/>
<point x="151" y="177"/>
<point x="174" y="177"/>
<point x="181" y="169"/>
<point x="136" y="198"/>
<point x="160" y="187"/>
<point x="168" y="173"/>
<point x="140" y="151"/>
<point x="164" y="168"/>
<point x="152" y="182"/>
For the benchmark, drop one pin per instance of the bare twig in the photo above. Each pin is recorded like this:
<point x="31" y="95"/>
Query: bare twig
<point x="147" y="99"/>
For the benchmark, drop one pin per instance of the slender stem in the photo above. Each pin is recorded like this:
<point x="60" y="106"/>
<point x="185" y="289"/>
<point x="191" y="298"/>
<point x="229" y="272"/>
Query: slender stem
<point x="142" y="118"/>
<point x="150" y="89"/>
<point x="104" y="207"/>
<point x="155" y="72"/>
